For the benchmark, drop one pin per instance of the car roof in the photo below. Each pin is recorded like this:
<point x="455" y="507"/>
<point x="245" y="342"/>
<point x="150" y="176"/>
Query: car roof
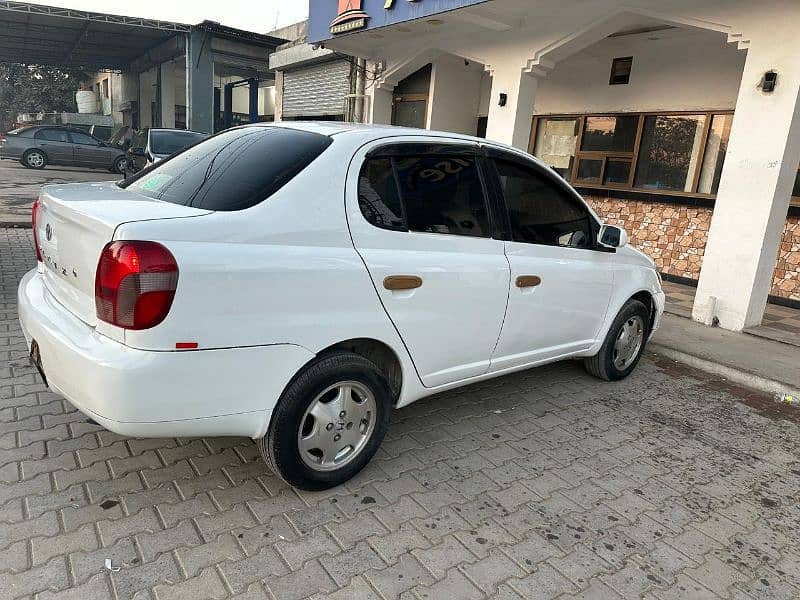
<point x="371" y="132"/>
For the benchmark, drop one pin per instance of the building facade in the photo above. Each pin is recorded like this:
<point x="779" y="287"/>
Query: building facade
<point x="679" y="121"/>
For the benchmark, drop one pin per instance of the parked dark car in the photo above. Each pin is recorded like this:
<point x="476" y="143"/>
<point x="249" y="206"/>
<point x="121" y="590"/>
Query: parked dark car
<point x="150" y="146"/>
<point x="38" y="146"/>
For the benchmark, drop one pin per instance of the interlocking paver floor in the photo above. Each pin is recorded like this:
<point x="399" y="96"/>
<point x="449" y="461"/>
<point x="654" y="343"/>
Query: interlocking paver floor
<point x="539" y="485"/>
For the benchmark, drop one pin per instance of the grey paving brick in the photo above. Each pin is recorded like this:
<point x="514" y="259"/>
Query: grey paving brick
<point x="358" y="589"/>
<point x="51" y="576"/>
<point x="207" y="585"/>
<point x="193" y="559"/>
<point x="153" y="544"/>
<point x="45" y="525"/>
<point x="143" y="521"/>
<point x="449" y="553"/>
<point x="310" y="579"/>
<point x="312" y="545"/>
<point x="43" y="549"/>
<point x="347" y="533"/>
<point x="348" y="563"/>
<point x="97" y="588"/>
<point x="241" y="573"/>
<point x="453" y="585"/>
<point x="488" y="573"/>
<point x="132" y="580"/>
<point x="404" y="575"/>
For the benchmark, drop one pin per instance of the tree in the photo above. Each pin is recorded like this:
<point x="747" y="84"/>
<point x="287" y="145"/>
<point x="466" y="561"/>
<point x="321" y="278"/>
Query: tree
<point x="34" y="88"/>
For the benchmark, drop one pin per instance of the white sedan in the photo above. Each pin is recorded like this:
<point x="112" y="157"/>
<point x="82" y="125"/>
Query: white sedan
<point x="294" y="283"/>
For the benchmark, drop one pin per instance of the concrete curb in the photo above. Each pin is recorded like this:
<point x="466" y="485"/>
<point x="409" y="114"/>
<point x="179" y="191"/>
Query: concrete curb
<point x="750" y="380"/>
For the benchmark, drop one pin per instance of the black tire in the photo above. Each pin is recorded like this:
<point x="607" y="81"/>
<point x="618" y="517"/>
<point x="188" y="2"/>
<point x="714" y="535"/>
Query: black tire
<point x="119" y="165"/>
<point x="28" y="159"/>
<point x="601" y="365"/>
<point x="280" y="448"/>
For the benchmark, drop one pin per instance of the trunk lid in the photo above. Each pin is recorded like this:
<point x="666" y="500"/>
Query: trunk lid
<point x="74" y="224"/>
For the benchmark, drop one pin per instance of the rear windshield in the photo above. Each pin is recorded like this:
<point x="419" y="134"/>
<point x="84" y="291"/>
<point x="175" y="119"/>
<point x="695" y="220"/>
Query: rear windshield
<point x="234" y="170"/>
<point x="169" y="142"/>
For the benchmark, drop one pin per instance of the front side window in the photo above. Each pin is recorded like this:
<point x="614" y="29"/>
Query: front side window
<point x="540" y="211"/>
<point x="82" y="138"/>
<point x="169" y="142"/>
<point x="234" y="170"/>
<point x="443" y="194"/>
<point x="52" y="135"/>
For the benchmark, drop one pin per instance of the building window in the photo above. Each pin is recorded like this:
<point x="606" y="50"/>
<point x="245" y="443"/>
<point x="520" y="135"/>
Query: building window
<point x="670" y="153"/>
<point x="556" y="139"/>
<point x="621" y="71"/>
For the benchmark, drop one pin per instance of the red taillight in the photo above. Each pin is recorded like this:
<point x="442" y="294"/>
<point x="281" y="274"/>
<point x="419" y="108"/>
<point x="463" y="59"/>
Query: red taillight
<point x="135" y="284"/>
<point x="34" y="219"/>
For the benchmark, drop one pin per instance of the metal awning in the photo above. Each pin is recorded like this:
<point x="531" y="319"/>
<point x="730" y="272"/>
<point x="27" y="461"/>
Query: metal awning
<point x="46" y="35"/>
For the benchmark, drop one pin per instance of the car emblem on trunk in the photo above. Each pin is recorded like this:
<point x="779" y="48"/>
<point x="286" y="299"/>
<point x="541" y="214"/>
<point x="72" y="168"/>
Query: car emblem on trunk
<point x="48" y="232"/>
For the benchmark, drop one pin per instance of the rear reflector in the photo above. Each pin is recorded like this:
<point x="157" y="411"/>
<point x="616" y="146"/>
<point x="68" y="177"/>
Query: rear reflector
<point x="34" y="219"/>
<point x="186" y="345"/>
<point x="135" y="284"/>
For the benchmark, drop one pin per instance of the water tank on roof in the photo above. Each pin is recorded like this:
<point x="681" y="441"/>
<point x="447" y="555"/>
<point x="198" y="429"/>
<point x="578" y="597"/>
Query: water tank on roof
<point x="87" y="101"/>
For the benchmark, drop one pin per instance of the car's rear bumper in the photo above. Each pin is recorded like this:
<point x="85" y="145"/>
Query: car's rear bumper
<point x="154" y="394"/>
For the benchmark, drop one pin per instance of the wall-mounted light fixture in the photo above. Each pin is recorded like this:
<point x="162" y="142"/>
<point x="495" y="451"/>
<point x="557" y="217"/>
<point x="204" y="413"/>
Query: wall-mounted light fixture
<point x="503" y="99"/>
<point x="769" y="82"/>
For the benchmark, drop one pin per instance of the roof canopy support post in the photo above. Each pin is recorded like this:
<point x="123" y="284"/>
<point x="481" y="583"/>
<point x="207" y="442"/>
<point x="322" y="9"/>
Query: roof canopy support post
<point x="199" y="82"/>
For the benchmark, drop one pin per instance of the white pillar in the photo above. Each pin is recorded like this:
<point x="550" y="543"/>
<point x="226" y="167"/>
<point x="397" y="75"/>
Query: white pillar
<point x="380" y="106"/>
<point x="753" y="199"/>
<point x="168" y="94"/>
<point x="511" y="124"/>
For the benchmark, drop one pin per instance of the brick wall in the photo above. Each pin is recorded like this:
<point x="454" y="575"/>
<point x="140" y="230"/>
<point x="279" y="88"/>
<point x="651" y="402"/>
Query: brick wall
<point x="675" y="236"/>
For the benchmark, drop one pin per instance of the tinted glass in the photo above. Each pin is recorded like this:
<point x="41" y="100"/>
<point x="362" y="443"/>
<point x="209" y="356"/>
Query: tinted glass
<point x="796" y="188"/>
<point x="443" y="194"/>
<point x="378" y="197"/>
<point x="139" y="140"/>
<point x="669" y="151"/>
<point x="589" y="170"/>
<point x="618" y="171"/>
<point x="83" y="138"/>
<point x="23" y="131"/>
<point x="610" y="134"/>
<point x="234" y="170"/>
<point x="169" y="142"/>
<point x="52" y="135"/>
<point x="540" y="211"/>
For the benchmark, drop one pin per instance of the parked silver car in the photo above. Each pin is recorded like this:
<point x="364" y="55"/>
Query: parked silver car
<point x="39" y="146"/>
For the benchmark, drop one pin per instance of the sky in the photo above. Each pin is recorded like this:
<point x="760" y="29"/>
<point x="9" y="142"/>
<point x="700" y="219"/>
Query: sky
<point x="261" y="16"/>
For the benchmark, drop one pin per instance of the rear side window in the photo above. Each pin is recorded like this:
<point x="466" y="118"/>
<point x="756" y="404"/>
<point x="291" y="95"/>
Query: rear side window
<point x="540" y="211"/>
<point x="231" y="171"/>
<point x="52" y="135"/>
<point x="378" y="196"/>
<point x="437" y="194"/>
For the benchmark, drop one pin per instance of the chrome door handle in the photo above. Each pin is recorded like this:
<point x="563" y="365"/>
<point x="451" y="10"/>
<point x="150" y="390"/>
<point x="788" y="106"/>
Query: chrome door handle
<point x="528" y="281"/>
<point x="398" y="283"/>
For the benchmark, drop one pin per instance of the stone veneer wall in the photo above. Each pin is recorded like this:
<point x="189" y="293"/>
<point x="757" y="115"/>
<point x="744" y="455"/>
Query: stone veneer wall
<point x="675" y="236"/>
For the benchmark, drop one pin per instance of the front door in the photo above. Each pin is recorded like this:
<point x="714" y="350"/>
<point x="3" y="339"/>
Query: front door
<point x="419" y="219"/>
<point x="88" y="151"/>
<point x="560" y="284"/>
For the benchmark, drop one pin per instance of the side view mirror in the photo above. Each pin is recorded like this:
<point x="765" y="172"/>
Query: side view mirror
<point x="612" y="236"/>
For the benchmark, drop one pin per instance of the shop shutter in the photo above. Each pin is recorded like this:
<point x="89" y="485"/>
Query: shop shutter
<point x="317" y="90"/>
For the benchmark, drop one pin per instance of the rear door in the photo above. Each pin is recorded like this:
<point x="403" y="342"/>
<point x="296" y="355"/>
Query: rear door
<point x="419" y="218"/>
<point x="55" y="143"/>
<point x="89" y="152"/>
<point x="561" y="284"/>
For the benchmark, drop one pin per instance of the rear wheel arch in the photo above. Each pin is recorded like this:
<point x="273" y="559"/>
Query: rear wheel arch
<point x="377" y="352"/>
